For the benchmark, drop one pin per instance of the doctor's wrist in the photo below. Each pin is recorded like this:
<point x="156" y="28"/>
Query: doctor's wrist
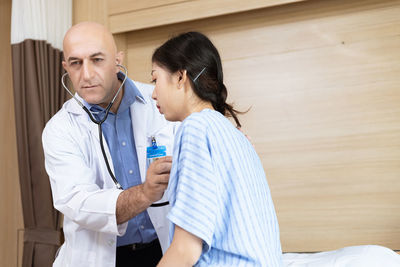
<point x="146" y="200"/>
<point x="130" y="203"/>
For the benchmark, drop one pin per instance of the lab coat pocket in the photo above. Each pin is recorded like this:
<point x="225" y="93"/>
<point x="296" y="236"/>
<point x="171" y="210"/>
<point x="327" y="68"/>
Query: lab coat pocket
<point x="159" y="140"/>
<point x="160" y="144"/>
<point x="163" y="136"/>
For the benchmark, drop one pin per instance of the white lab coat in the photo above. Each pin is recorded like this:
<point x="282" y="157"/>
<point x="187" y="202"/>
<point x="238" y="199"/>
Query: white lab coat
<point x="82" y="187"/>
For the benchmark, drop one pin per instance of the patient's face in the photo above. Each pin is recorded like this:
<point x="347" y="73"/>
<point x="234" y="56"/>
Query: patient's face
<point x="167" y="93"/>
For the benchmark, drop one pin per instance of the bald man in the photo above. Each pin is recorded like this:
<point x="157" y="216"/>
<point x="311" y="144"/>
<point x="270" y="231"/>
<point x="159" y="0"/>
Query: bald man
<point x="103" y="225"/>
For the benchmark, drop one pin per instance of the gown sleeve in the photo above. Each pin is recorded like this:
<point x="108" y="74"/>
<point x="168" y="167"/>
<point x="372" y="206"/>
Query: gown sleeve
<point x="194" y="201"/>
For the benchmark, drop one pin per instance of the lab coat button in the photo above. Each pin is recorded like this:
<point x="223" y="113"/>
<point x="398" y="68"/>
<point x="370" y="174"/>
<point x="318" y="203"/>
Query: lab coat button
<point x="130" y="171"/>
<point x="111" y="242"/>
<point x="123" y="144"/>
<point x="142" y="227"/>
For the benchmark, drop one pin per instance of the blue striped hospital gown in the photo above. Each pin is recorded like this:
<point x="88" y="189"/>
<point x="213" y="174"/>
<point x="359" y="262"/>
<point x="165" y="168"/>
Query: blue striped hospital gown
<point x="218" y="191"/>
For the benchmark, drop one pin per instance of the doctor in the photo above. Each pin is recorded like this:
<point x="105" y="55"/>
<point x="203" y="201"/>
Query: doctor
<point x="105" y="226"/>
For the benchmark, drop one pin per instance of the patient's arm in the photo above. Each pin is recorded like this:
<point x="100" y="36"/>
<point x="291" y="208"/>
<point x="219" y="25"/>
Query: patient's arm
<point x="185" y="250"/>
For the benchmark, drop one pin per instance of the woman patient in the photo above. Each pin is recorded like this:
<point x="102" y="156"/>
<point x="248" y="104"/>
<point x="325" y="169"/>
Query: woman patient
<point x="221" y="212"/>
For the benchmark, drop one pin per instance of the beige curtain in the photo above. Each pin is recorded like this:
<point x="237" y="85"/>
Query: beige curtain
<point x="37" y="29"/>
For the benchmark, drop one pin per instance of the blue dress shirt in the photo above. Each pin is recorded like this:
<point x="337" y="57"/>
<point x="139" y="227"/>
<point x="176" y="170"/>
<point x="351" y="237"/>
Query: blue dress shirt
<point x="118" y="132"/>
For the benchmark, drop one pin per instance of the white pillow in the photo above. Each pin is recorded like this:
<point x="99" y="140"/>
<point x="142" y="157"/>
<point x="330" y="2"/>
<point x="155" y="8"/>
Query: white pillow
<point x="356" y="256"/>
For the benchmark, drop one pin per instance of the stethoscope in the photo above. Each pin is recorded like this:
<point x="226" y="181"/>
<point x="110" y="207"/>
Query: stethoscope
<point x="100" y="122"/>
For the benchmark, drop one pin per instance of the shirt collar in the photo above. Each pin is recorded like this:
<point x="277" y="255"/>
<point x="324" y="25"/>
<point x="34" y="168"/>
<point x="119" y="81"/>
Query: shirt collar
<point x="131" y="93"/>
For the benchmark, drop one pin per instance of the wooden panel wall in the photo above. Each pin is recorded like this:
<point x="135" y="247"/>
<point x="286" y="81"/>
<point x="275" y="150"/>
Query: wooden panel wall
<point x="125" y="15"/>
<point x="90" y="10"/>
<point x="10" y="200"/>
<point x="322" y="78"/>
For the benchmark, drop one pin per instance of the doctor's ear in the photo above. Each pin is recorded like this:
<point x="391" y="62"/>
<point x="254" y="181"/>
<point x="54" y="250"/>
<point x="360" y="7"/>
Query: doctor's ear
<point x="64" y="64"/>
<point x="119" y="58"/>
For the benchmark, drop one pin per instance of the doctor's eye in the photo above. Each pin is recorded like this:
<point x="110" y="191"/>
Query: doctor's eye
<point x="75" y="63"/>
<point x="154" y="81"/>
<point x="98" y="59"/>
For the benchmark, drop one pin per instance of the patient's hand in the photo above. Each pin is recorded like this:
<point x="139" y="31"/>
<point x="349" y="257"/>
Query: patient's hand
<point x="185" y="250"/>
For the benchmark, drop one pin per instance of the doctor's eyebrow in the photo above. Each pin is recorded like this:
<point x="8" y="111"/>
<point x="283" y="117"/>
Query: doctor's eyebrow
<point x="91" y="56"/>
<point x="73" y="59"/>
<point x="97" y="54"/>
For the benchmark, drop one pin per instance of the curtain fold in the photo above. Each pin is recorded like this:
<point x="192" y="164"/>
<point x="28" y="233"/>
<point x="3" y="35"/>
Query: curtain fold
<point x="38" y="95"/>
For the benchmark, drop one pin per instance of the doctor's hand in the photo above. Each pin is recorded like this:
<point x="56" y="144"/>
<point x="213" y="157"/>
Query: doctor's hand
<point x="157" y="178"/>
<point x="136" y="199"/>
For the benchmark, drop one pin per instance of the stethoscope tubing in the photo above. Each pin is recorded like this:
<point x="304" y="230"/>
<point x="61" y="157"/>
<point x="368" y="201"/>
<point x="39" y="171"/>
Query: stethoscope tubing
<point x="100" y="122"/>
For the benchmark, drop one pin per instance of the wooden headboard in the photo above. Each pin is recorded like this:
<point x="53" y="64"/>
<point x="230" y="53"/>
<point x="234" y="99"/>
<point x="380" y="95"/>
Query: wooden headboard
<point x="322" y="79"/>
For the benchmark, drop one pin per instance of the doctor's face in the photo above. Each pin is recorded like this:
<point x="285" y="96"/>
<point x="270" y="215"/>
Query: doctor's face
<point x="90" y="60"/>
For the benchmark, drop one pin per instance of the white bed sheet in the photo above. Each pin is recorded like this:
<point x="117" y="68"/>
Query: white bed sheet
<point x="355" y="256"/>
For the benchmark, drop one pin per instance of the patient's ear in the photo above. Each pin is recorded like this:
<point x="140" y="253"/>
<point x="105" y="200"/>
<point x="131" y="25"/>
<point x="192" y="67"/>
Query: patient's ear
<point x="182" y="78"/>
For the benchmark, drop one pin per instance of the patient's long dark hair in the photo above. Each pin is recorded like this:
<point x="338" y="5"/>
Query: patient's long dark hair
<point x="195" y="53"/>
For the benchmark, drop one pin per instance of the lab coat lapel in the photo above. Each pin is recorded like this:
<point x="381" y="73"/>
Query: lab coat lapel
<point x="94" y="132"/>
<point x="139" y="121"/>
<point x="73" y="107"/>
<point x="84" y="120"/>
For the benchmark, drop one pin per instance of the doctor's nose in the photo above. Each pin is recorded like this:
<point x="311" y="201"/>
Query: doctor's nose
<point x="87" y="71"/>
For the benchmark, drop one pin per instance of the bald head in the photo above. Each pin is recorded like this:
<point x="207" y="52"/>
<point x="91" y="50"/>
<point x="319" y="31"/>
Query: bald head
<point x="89" y="33"/>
